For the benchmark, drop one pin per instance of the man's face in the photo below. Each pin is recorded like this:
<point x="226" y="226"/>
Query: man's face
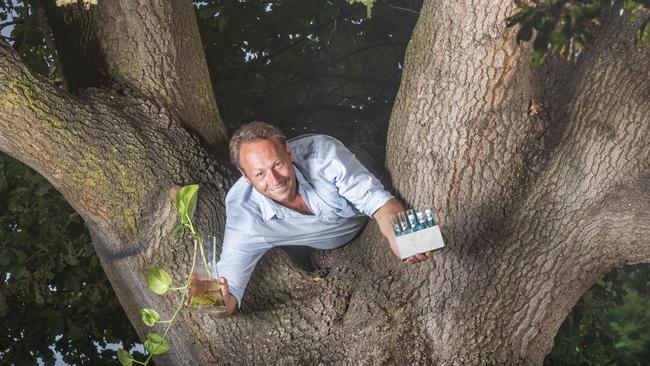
<point x="267" y="165"/>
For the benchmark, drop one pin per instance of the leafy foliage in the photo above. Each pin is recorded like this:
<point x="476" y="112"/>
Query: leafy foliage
<point x="54" y="295"/>
<point x="308" y="66"/>
<point x="20" y="26"/>
<point x="367" y="3"/>
<point x="610" y="324"/>
<point x="159" y="282"/>
<point x="566" y="28"/>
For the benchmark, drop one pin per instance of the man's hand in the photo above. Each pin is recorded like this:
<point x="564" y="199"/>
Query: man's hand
<point x="420" y="257"/>
<point x="200" y="283"/>
<point x="382" y="215"/>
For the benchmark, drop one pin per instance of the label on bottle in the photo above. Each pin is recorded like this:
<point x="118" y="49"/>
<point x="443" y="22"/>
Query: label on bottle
<point x="429" y="214"/>
<point x="414" y="223"/>
<point x="420" y="216"/>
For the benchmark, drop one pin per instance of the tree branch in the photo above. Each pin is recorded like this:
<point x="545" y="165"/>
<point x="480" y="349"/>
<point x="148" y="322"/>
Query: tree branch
<point x="92" y="148"/>
<point x="157" y="53"/>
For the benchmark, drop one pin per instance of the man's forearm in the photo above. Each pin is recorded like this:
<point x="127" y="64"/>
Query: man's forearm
<point x="382" y="215"/>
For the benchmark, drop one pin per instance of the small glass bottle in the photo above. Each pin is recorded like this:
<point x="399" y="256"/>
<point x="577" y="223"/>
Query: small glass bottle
<point x="422" y="220"/>
<point x="403" y="220"/>
<point x="394" y="221"/>
<point x="428" y="212"/>
<point x="205" y="292"/>
<point x="412" y="220"/>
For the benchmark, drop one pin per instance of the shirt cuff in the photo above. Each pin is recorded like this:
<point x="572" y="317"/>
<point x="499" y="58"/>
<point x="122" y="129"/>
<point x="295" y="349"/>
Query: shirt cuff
<point x="376" y="201"/>
<point x="236" y="294"/>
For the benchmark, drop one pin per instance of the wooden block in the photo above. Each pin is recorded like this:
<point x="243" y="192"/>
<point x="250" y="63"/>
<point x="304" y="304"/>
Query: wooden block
<point x="420" y="241"/>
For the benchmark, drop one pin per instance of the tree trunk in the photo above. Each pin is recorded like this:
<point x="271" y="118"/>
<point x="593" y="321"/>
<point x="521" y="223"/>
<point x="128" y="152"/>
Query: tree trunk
<point x="538" y="178"/>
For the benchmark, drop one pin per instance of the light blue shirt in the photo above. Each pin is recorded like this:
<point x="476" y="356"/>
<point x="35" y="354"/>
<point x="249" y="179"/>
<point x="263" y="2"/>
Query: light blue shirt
<point x="340" y="192"/>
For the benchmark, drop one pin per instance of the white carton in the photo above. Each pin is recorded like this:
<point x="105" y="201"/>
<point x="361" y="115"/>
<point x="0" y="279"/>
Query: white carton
<point x="421" y="241"/>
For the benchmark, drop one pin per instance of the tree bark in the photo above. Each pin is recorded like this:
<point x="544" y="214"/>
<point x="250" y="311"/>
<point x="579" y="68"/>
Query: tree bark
<point x="538" y="178"/>
<point x="150" y="47"/>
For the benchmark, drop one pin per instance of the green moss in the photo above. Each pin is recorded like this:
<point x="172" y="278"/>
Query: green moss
<point x="10" y="100"/>
<point x="127" y="178"/>
<point x="27" y="98"/>
<point x="89" y="182"/>
<point x="129" y="221"/>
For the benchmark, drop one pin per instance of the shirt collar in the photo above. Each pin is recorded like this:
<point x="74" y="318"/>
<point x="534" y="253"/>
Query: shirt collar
<point x="270" y="208"/>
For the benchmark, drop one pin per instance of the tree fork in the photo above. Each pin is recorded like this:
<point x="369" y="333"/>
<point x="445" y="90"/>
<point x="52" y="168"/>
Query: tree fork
<point x="524" y="197"/>
<point x="157" y="54"/>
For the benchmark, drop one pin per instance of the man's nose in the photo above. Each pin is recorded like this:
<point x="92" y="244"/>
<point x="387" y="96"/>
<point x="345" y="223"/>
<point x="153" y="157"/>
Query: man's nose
<point x="274" y="178"/>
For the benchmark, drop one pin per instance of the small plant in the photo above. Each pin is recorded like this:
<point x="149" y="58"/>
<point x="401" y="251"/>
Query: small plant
<point x="159" y="281"/>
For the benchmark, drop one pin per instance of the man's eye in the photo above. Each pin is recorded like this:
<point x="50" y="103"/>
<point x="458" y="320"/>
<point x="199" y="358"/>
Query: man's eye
<point x="259" y="175"/>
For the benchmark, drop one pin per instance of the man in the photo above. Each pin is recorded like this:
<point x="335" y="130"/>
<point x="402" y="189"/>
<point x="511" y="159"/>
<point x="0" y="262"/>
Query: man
<point x="310" y="191"/>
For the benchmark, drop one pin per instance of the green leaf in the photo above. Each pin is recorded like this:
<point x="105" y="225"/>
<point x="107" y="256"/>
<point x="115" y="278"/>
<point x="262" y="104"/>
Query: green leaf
<point x="538" y="58"/>
<point x="155" y="338"/>
<point x="522" y="5"/>
<point x="156" y="344"/>
<point x="124" y="357"/>
<point x="629" y="4"/>
<point x="149" y="316"/>
<point x="186" y="202"/>
<point x="158" y="280"/>
<point x="644" y="35"/>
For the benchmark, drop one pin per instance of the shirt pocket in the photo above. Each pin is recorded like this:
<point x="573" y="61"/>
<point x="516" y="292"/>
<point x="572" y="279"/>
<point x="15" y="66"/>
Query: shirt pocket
<point x="335" y="207"/>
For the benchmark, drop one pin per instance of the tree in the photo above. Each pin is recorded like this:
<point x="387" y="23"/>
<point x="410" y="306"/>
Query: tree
<point x="54" y="292"/>
<point x="536" y="176"/>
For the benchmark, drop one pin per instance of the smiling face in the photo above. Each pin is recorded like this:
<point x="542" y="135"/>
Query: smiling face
<point x="267" y="166"/>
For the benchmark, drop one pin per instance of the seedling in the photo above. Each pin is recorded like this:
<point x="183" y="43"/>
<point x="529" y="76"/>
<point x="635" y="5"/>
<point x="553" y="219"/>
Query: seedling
<point x="160" y="282"/>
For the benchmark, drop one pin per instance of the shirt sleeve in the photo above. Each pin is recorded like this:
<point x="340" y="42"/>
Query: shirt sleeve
<point x="239" y="256"/>
<point x="353" y="180"/>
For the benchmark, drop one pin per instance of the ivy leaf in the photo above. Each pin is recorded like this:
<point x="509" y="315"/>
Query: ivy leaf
<point x="124" y="357"/>
<point x="158" y="280"/>
<point x="186" y="202"/>
<point x="156" y="344"/>
<point x="149" y="316"/>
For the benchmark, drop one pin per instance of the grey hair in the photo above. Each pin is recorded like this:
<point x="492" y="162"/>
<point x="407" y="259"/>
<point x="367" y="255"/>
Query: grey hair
<point x="250" y="132"/>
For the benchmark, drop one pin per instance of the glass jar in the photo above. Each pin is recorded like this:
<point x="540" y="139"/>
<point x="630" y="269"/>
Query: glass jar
<point x="205" y="293"/>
